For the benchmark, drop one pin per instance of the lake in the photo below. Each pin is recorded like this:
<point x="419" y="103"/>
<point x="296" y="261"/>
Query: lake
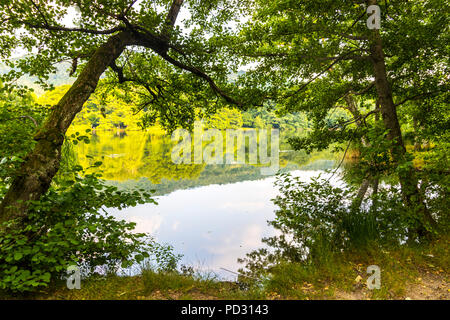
<point x="212" y="214"/>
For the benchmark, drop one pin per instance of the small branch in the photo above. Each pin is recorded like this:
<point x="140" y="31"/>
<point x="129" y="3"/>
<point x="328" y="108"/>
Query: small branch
<point x="336" y="61"/>
<point x="40" y="12"/>
<point x="119" y="71"/>
<point x="340" y="163"/>
<point x="283" y="55"/>
<point x="83" y="30"/>
<point x="363" y="91"/>
<point x="74" y="67"/>
<point x="31" y="118"/>
<point x="352" y="37"/>
<point x="204" y="76"/>
<point x="129" y="7"/>
<point x="240" y="274"/>
<point x="417" y="97"/>
<point x="368" y="114"/>
<point x="356" y="119"/>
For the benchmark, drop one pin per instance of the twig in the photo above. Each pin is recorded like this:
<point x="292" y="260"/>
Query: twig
<point x="31" y="118"/>
<point x="240" y="274"/>
<point x="342" y="160"/>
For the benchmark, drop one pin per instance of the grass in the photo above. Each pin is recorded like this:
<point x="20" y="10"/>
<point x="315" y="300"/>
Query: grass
<point x="345" y="275"/>
<point x="406" y="272"/>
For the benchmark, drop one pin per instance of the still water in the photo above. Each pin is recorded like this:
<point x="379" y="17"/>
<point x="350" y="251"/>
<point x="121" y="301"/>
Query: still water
<point x="211" y="214"/>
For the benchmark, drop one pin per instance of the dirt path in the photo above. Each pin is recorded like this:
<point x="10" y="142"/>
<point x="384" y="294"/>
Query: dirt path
<point x="428" y="286"/>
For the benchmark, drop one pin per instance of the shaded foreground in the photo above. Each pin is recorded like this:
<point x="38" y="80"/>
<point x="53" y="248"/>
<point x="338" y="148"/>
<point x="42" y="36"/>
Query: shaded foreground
<point x="406" y="273"/>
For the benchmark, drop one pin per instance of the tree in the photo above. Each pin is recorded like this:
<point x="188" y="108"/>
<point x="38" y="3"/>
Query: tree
<point x="316" y="56"/>
<point x="225" y="119"/>
<point x="140" y="44"/>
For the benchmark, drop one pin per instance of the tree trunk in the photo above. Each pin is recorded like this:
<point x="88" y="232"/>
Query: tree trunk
<point x="42" y="163"/>
<point x="417" y="140"/>
<point x="351" y="106"/>
<point x="407" y="177"/>
<point x="375" y="183"/>
<point x="361" y="193"/>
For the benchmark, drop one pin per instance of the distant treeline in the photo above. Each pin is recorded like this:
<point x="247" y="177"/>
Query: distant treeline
<point x="107" y="112"/>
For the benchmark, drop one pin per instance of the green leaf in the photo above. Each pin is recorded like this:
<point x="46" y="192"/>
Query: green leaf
<point x="18" y="256"/>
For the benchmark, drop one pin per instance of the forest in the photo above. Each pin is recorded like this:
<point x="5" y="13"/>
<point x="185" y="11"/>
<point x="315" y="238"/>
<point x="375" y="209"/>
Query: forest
<point x="91" y="92"/>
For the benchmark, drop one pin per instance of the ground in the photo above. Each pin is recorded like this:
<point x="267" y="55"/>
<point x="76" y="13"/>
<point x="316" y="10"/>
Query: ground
<point x="429" y="287"/>
<point x="426" y="287"/>
<point x="427" y="284"/>
<point x="418" y="273"/>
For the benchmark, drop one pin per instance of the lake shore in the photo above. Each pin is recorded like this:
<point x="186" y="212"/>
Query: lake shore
<point x="419" y="273"/>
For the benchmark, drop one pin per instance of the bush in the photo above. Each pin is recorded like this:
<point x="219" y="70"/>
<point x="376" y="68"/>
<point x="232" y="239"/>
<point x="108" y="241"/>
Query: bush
<point x="68" y="226"/>
<point x="316" y="220"/>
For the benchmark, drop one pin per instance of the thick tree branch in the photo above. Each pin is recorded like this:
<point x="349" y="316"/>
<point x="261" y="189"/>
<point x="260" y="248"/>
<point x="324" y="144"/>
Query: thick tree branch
<point x="204" y="76"/>
<point x="173" y="13"/>
<point x="170" y="22"/>
<point x="119" y="71"/>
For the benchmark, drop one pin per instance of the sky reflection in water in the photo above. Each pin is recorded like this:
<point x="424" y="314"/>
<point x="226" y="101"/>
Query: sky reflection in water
<point x="212" y="226"/>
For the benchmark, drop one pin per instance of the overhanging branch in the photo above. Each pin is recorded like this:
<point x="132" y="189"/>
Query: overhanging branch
<point x="416" y="97"/>
<point x="204" y="76"/>
<point x="65" y="29"/>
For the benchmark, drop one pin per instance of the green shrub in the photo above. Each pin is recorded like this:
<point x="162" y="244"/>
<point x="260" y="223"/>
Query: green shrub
<point x="316" y="220"/>
<point x="68" y="226"/>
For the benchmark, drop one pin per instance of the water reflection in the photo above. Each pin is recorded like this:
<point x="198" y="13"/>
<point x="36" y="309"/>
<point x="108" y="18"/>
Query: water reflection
<point x="212" y="225"/>
<point x="143" y="160"/>
<point x="212" y="214"/>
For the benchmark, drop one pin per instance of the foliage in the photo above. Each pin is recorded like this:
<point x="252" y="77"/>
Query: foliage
<point x="316" y="220"/>
<point x="162" y="81"/>
<point x="19" y="118"/>
<point x="309" y="56"/>
<point x="70" y="225"/>
<point x="314" y="57"/>
<point x="319" y="57"/>
<point x="113" y="108"/>
<point x="102" y="110"/>
<point x="225" y="119"/>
